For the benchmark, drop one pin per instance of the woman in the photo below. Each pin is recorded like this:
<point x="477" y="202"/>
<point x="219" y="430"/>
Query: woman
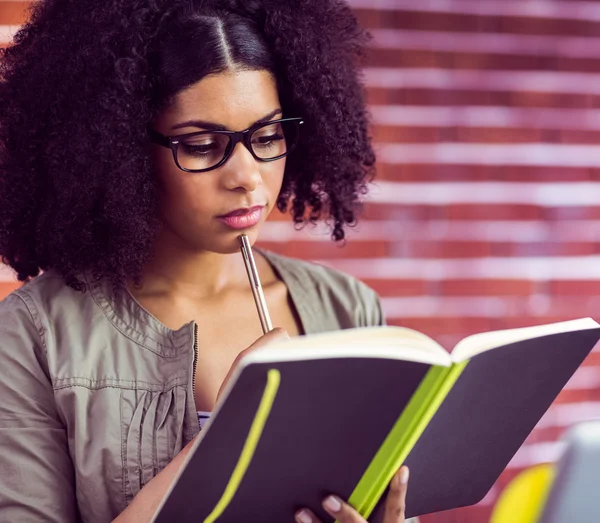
<point x="139" y="139"/>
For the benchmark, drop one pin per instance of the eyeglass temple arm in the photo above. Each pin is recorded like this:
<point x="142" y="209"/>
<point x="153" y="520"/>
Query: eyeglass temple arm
<point x="159" y="139"/>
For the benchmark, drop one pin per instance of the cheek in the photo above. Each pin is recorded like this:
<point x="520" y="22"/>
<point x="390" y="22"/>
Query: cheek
<point x="273" y="178"/>
<point x="182" y="195"/>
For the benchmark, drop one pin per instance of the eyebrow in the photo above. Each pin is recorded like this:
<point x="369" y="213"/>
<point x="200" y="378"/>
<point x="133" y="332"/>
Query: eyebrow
<point x="211" y="126"/>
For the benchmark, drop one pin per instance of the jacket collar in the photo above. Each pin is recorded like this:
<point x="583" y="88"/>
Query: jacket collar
<point x="135" y="322"/>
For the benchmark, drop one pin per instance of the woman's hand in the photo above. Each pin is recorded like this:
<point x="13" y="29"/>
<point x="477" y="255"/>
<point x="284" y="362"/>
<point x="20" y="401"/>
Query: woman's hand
<point x="277" y="334"/>
<point x="344" y="513"/>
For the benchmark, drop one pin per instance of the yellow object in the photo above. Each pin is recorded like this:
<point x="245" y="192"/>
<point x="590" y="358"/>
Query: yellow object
<point x="403" y="436"/>
<point x="524" y="498"/>
<point x="260" y="419"/>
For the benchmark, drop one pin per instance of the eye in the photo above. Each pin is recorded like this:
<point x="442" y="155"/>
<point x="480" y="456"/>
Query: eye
<point x="267" y="140"/>
<point x="200" y="149"/>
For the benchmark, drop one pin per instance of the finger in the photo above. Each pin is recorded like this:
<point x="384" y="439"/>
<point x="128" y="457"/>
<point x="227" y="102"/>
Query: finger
<point x="341" y="511"/>
<point x="396" y="500"/>
<point x="272" y="336"/>
<point x="306" y="516"/>
<point x="276" y="334"/>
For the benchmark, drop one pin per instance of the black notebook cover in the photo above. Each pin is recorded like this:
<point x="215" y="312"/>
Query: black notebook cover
<point x="330" y="416"/>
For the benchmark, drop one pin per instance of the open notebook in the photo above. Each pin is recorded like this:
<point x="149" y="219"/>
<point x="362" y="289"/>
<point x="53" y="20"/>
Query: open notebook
<point x="340" y="412"/>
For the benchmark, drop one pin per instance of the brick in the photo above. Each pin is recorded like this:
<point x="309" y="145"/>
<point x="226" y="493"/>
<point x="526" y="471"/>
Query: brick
<point x="552" y="99"/>
<point x="465" y="212"/>
<point x="505" y="173"/>
<point x="367" y="247"/>
<point x="437" y="327"/>
<point x="540" y="435"/>
<point x="573" y="213"/>
<point x="574" y="288"/>
<point x="372" y="18"/>
<point x="385" y="57"/>
<point x="430" y="134"/>
<point x="397" y="134"/>
<point x="13" y="12"/>
<point x="578" y="395"/>
<point x="402" y="212"/>
<point x="7" y="287"/>
<point x="328" y="250"/>
<point x="455" y="212"/>
<point x="548" y="26"/>
<point x="487" y="287"/>
<point x="402" y="58"/>
<point x="593" y="358"/>
<point x="440" y="249"/>
<point x="418" y="96"/>
<point x="453" y="22"/>
<point x="516" y="322"/>
<point x="547" y="249"/>
<point x="472" y="97"/>
<point x="452" y="212"/>
<point x="399" y="287"/>
<point x="498" y="135"/>
<point x="572" y="307"/>
<point x="579" y="137"/>
<point x="449" y="341"/>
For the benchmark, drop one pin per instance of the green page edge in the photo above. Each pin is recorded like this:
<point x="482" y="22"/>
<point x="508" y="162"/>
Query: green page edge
<point x="404" y="434"/>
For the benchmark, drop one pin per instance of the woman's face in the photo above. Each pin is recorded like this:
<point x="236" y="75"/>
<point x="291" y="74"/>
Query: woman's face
<point x="194" y="207"/>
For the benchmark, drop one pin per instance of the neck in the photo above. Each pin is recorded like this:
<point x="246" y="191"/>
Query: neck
<point x="177" y="270"/>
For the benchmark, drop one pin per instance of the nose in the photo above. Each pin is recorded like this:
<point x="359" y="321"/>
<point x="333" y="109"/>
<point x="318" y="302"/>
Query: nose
<point x="241" y="170"/>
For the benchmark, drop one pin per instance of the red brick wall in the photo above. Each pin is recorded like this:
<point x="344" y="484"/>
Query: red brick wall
<point x="484" y="215"/>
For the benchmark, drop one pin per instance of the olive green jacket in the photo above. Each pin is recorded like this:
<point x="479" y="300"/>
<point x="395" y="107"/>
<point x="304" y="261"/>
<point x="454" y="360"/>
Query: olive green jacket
<point x="96" y="394"/>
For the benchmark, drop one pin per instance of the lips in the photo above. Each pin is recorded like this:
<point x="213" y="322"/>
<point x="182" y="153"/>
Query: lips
<point x="242" y="218"/>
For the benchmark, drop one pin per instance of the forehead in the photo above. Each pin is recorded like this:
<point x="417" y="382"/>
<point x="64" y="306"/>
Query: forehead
<point x="235" y="99"/>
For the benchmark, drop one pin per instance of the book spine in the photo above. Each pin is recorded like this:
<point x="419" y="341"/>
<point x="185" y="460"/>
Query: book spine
<point x="403" y="436"/>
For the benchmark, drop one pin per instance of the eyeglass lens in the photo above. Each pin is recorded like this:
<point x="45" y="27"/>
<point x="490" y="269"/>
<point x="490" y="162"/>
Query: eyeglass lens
<point x="203" y="151"/>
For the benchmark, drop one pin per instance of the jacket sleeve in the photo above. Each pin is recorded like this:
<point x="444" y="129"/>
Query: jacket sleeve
<point x="37" y="477"/>
<point x="373" y="315"/>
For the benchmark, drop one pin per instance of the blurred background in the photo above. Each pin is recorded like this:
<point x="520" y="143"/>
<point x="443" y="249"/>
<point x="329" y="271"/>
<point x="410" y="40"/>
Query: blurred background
<point x="485" y="213"/>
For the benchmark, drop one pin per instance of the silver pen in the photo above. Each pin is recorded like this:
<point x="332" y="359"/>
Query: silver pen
<point x="257" y="292"/>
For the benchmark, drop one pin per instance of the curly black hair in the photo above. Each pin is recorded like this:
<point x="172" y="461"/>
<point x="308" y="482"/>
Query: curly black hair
<point x="83" y="80"/>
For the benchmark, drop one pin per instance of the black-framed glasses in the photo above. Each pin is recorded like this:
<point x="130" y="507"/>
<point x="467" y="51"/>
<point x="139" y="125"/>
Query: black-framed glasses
<point x="203" y="151"/>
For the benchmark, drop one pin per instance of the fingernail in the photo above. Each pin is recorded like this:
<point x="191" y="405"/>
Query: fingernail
<point x="303" y="517"/>
<point x="333" y="504"/>
<point x="403" y="476"/>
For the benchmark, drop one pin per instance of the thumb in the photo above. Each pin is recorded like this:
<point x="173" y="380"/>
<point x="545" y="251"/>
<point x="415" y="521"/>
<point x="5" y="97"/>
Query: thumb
<point x="272" y="336"/>
<point x="277" y="334"/>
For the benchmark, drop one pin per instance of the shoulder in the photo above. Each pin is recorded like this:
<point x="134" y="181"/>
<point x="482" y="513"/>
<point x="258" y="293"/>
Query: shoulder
<point x="37" y="301"/>
<point x="354" y="303"/>
<point x="49" y="287"/>
<point x="333" y="280"/>
<point x="24" y="300"/>
<point x="21" y="321"/>
<point x="15" y="312"/>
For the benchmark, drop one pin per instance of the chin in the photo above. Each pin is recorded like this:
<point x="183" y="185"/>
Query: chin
<point x="227" y="242"/>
